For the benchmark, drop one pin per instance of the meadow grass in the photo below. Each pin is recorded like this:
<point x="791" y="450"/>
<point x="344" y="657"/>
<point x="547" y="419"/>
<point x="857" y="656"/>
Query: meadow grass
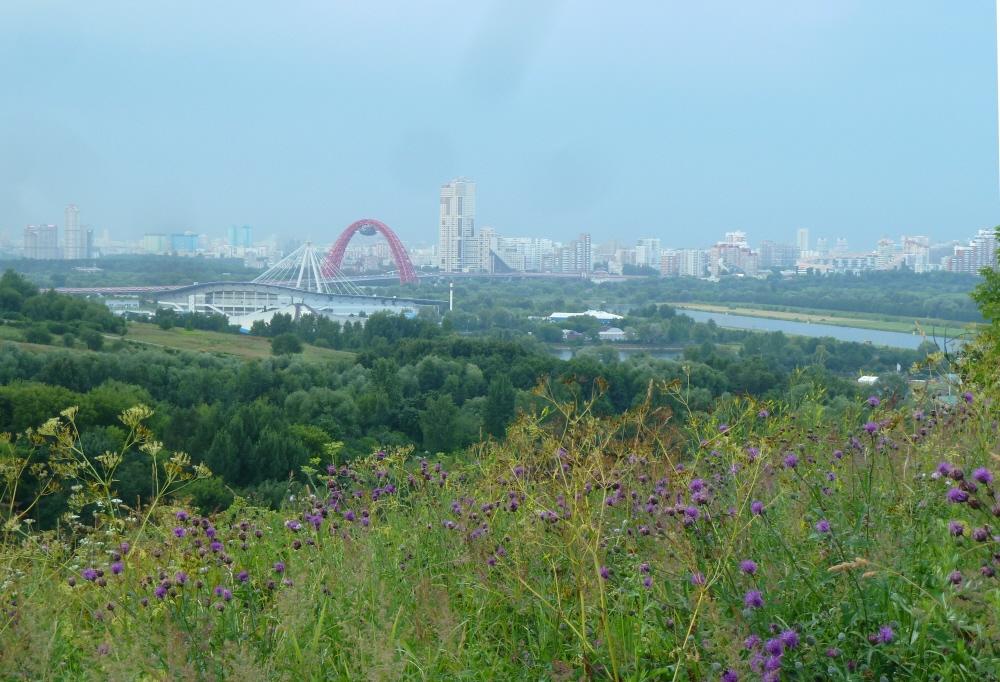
<point x="758" y="542"/>
<point x="239" y="345"/>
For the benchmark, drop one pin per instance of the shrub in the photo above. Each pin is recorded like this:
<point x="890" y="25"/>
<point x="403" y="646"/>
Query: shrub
<point x="93" y="339"/>
<point x="285" y="344"/>
<point x="37" y="334"/>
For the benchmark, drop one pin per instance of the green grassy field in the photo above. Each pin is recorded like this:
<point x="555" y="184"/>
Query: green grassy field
<point x="141" y="334"/>
<point x="950" y="328"/>
<point x="240" y="345"/>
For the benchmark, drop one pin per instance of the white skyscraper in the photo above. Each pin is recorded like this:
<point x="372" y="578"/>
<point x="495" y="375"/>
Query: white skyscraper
<point x="75" y="239"/>
<point x="457" y="226"/>
<point x="802" y="240"/>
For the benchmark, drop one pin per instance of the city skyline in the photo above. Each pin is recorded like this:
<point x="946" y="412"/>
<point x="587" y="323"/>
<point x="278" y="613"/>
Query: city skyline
<point x="764" y="119"/>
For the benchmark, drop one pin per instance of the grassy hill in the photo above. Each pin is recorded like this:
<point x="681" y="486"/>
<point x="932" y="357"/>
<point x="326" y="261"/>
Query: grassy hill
<point x="763" y="541"/>
<point x="141" y="334"/>
<point x="240" y="345"/>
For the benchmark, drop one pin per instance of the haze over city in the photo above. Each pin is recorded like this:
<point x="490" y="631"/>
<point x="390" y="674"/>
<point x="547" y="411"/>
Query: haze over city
<point x="677" y="120"/>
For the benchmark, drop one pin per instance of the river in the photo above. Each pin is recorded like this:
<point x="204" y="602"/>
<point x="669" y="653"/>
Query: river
<point x="766" y="324"/>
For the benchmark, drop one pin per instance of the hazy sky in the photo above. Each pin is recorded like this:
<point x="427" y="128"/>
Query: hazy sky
<point x="669" y="118"/>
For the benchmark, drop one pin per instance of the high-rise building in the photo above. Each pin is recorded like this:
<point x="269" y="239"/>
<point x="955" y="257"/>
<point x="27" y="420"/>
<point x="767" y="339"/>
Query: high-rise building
<point x="670" y="263"/>
<point x="584" y="253"/>
<point x="41" y="241"/>
<point x="737" y="238"/>
<point x="155" y="243"/>
<point x="732" y="258"/>
<point x="457" y="225"/>
<point x="184" y="243"/>
<point x="773" y="255"/>
<point x="479" y="251"/>
<point x="981" y="252"/>
<point x="802" y="240"/>
<point x="525" y="254"/>
<point x="240" y="236"/>
<point x="887" y="255"/>
<point x="693" y="263"/>
<point x="649" y="253"/>
<point x="77" y="241"/>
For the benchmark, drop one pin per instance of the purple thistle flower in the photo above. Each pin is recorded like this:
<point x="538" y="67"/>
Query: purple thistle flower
<point x="983" y="475"/>
<point x="832" y="652"/>
<point x="644" y="568"/>
<point x="748" y="566"/>
<point x="885" y="634"/>
<point x="697" y="578"/>
<point x="871" y="428"/>
<point x="180" y="532"/>
<point x="605" y="572"/>
<point x="838" y="454"/>
<point x="763" y="414"/>
<point x="968" y="397"/>
<point x="751" y="642"/>
<point x="774" y="647"/>
<point x="873" y="401"/>
<point x="647" y="582"/>
<point x="226" y="595"/>
<point x="181" y="515"/>
<point x="955" y="577"/>
<point x="757" y="507"/>
<point x="89" y="574"/>
<point x="117" y="568"/>
<point x="822" y="526"/>
<point x="957" y="495"/>
<point x="791" y="460"/>
<point x="160" y="592"/>
<point x="243" y="576"/>
<point x="180" y="577"/>
<point x="980" y="534"/>
<point x="956" y="528"/>
<point x="753" y="599"/>
<point x="696" y="485"/>
<point x="790" y="638"/>
<point x="729" y="676"/>
<point x="293" y="525"/>
<point x="279" y="567"/>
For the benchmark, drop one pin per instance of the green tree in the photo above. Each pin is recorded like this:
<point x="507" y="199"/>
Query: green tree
<point x="38" y="334"/>
<point x="93" y="338"/>
<point x="499" y="410"/>
<point x="285" y="344"/>
<point x="438" y="422"/>
<point x="987" y="293"/>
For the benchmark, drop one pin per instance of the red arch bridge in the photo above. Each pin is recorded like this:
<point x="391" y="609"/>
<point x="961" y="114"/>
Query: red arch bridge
<point x="307" y="268"/>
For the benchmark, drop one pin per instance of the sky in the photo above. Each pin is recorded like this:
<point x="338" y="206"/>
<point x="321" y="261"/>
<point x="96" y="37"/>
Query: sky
<point x="669" y="118"/>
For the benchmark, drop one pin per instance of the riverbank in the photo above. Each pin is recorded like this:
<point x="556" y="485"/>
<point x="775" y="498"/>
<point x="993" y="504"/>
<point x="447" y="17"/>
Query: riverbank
<point x="940" y="328"/>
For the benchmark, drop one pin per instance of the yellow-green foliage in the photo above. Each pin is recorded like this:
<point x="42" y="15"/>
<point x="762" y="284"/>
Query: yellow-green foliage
<point x="649" y="546"/>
